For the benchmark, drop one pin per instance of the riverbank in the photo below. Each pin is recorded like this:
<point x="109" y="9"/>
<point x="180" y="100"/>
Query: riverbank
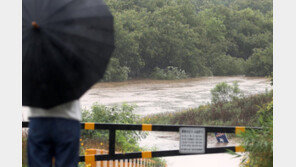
<point x="155" y="81"/>
<point x="239" y="112"/>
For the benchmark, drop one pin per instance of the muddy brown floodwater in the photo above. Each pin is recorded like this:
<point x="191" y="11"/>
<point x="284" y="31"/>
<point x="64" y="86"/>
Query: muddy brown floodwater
<point x="151" y="96"/>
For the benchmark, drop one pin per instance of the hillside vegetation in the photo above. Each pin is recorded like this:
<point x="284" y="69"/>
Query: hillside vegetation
<point x="190" y="38"/>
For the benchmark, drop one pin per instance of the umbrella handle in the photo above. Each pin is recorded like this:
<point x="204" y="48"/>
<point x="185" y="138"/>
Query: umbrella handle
<point x="35" y="25"/>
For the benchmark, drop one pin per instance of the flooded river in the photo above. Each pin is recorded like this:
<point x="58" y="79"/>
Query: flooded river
<point x="152" y="96"/>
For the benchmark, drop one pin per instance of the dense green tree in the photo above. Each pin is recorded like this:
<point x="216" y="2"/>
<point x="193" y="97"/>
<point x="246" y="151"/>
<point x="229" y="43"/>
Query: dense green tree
<point x="201" y="37"/>
<point x="170" y="41"/>
<point x="226" y="65"/>
<point x="261" y="62"/>
<point x="129" y="26"/>
<point x="115" y="72"/>
<point x="212" y="41"/>
<point x="263" y="6"/>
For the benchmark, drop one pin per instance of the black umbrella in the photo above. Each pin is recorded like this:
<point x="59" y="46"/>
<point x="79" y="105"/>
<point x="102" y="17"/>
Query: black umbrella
<point x="67" y="45"/>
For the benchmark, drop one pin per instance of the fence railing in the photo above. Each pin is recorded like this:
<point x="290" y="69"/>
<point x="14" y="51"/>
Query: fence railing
<point x="149" y="127"/>
<point x="139" y="162"/>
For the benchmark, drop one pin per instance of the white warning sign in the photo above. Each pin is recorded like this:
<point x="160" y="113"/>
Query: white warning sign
<point x="192" y="140"/>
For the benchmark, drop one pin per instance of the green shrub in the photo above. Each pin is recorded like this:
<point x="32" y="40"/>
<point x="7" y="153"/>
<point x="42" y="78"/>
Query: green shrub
<point x="259" y="143"/>
<point x="125" y="140"/>
<point x="169" y="73"/>
<point x="260" y="63"/>
<point x="239" y="111"/>
<point x="226" y="65"/>
<point x="115" y="72"/>
<point x="224" y="92"/>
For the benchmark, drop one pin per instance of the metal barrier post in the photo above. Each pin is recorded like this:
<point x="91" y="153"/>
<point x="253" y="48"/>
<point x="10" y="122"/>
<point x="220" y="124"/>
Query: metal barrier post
<point x="90" y="158"/>
<point x="112" y="142"/>
<point x="206" y="139"/>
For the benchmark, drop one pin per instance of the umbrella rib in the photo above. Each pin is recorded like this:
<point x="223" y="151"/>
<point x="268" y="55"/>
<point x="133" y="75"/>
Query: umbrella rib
<point x="104" y="12"/>
<point x="78" y="18"/>
<point x="55" y="38"/>
<point x="35" y="10"/>
<point x="27" y="35"/>
<point x="26" y="26"/>
<point x="26" y="10"/>
<point x="43" y="8"/>
<point x="24" y="54"/>
<point x="77" y="35"/>
<point x="59" y="64"/>
<point x="59" y="9"/>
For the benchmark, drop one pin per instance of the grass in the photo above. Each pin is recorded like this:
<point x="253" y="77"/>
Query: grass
<point x="241" y="111"/>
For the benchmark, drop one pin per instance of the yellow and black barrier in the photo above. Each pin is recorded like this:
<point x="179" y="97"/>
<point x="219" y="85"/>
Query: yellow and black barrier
<point x="149" y="127"/>
<point x="154" y="154"/>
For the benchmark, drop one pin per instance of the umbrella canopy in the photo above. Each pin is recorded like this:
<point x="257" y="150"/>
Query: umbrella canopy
<point x="66" y="47"/>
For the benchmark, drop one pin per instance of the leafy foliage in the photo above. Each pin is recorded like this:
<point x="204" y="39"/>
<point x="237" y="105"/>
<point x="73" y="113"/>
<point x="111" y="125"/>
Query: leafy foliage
<point x="125" y="140"/>
<point x="260" y="63"/>
<point x="259" y="143"/>
<point x="168" y="73"/>
<point x="200" y="37"/>
<point x="226" y="65"/>
<point x="224" y="92"/>
<point x="115" y="72"/>
<point x="238" y="112"/>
